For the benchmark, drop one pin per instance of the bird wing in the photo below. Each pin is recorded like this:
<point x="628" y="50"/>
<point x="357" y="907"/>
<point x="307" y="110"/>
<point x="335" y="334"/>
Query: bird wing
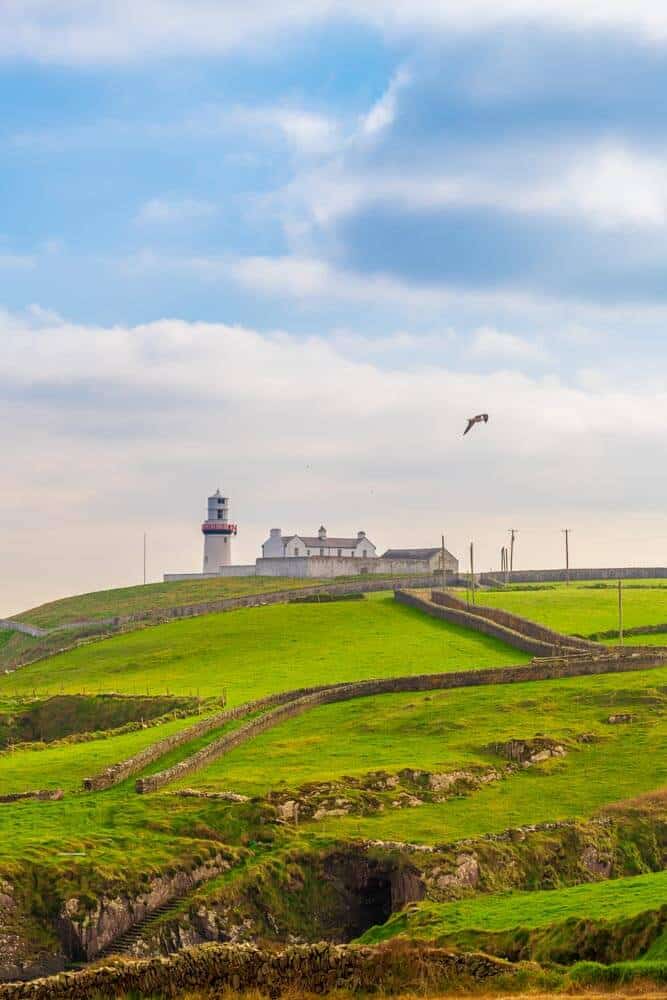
<point x="471" y="423"/>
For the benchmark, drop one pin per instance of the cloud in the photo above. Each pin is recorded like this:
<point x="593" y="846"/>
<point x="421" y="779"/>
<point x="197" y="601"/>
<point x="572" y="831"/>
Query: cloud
<point x="165" y="211"/>
<point x="492" y="345"/>
<point x="381" y="115"/>
<point x="306" y="131"/>
<point x="607" y="185"/>
<point x="113" y="417"/>
<point x="78" y="32"/>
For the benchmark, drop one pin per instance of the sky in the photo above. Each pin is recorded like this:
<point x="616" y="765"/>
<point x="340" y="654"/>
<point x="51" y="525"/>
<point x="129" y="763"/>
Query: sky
<point x="287" y="249"/>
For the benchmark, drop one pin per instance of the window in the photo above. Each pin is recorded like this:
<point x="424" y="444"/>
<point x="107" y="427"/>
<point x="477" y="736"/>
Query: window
<point x="365" y="553"/>
<point x="321" y="552"/>
<point x="340" y="552"/>
<point x="296" y="550"/>
<point x="307" y="552"/>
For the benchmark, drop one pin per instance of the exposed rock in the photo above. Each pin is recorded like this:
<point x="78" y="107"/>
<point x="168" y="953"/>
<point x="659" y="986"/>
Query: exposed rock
<point x="194" y="793"/>
<point x="596" y="863"/>
<point x="621" y="717"/>
<point x="85" y="932"/>
<point x="465" y="875"/>
<point x="528" y="751"/>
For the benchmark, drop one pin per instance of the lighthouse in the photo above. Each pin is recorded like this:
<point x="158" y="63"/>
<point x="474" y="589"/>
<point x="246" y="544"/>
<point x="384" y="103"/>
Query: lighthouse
<point x="217" y="530"/>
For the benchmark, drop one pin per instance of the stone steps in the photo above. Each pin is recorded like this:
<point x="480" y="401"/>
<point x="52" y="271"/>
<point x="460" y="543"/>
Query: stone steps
<point x="123" y="944"/>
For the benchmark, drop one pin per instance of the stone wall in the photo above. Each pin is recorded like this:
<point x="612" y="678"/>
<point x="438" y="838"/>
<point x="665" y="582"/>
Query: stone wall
<point x="554" y="668"/>
<point x="560" y="575"/>
<point x="317" y="968"/>
<point x="514" y="622"/>
<point x="12" y="626"/>
<point x="526" y="643"/>
<point x="116" y="773"/>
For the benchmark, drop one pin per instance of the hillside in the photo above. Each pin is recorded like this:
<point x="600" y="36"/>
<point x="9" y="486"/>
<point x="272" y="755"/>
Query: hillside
<point x="152" y="597"/>
<point x="302" y="830"/>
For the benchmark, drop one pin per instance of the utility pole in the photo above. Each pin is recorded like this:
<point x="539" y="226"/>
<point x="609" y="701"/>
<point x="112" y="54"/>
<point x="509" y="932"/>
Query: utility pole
<point x="472" y="570"/>
<point x="144" y="558"/>
<point x="513" y="532"/>
<point x="444" y="571"/>
<point x="620" y="611"/>
<point x="566" y="532"/>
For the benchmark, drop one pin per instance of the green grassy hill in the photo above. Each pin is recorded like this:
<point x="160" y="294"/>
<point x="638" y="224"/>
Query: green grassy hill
<point x="446" y="923"/>
<point x="253" y="652"/>
<point x="152" y="597"/>
<point x="110" y="842"/>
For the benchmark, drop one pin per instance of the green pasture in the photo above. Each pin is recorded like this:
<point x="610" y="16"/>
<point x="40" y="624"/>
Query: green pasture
<point x="611" y="900"/>
<point x="585" y="609"/>
<point x="446" y="730"/>
<point x="441" y="730"/>
<point x="65" y="764"/>
<point x="256" y="651"/>
<point x="153" y="597"/>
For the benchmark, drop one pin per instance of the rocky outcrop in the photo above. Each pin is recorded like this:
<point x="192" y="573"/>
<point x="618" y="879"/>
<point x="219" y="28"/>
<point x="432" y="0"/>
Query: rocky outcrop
<point x="526" y="752"/>
<point x="19" y="961"/>
<point x="376" y="791"/>
<point x="85" y="932"/>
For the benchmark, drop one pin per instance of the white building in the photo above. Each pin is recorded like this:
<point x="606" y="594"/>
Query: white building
<point x="279" y="546"/>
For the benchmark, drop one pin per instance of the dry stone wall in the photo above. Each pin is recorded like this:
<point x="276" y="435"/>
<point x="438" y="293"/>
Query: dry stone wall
<point x="12" y="626"/>
<point x="513" y="622"/>
<point x="464" y="617"/>
<point x="116" y="773"/>
<point x="318" y="968"/>
<point x="561" y="575"/>
<point x="548" y="669"/>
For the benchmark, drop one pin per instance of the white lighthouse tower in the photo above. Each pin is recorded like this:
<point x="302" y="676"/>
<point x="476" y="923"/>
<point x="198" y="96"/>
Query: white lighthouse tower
<point x="217" y="530"/>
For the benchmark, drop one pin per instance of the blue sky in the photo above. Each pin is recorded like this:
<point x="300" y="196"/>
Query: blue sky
<point x="242" y="240"/>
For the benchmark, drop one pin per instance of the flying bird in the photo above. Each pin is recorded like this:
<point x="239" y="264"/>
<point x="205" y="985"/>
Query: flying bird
<point x="480" y="418"/>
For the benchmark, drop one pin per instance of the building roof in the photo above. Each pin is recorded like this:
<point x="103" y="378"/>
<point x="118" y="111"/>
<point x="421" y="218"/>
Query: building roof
<point x="315" y="542"/>
<point x="415" y="553"/>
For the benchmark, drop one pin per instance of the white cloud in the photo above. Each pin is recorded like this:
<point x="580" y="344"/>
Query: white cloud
<point x="175" y="211"/>
<point x="78" y="31"/>
<point x="492" y="345"/>
<point x="309" y="132"/>
<point x="607" y="185"/>
<point x="383" y="112"/>
<point x="113" y="417"/>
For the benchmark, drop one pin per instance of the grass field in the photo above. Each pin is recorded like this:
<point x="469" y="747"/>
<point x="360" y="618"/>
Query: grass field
<point x="65" y="765"/>
<point x="446" y="730"/>
<point x="584" y="609"/>
<point x="611" y="900"/>
<point x="86" y="839"/>
<point x="153" y="597"/>
<point x="443" y="729"/>
<point x="253" y="652"/>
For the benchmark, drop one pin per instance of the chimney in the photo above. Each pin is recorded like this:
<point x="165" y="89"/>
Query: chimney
<point x="322" y="533"/>
<point x="361" y="534"/>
